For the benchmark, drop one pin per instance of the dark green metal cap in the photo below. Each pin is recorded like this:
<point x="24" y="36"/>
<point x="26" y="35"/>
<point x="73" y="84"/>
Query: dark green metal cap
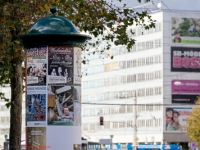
<point x="53" y="30"/>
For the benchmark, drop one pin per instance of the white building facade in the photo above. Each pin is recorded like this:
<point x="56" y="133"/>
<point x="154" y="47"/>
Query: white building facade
<point x="5" y="116"/>
<point x="133" y="91"/>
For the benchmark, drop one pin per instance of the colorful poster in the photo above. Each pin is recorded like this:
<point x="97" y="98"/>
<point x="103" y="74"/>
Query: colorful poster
<point x="36" y="138"/>
<point x="185" y="91"/>
<point x="176" y="118"/>
<point x="36" y="65"/>
<point x="36" y="106"/>
<point x="185" y="30"/>
<point x="185" y="59"/>
<point x="60" y="65"/>
<point x="62" y="101"/>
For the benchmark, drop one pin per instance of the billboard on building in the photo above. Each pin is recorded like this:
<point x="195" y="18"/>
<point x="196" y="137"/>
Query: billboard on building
<point x="176" y="118"/>
<point x="185" y="91"/>
<point x="185" y="30"/>
<point x="185" y="59"/>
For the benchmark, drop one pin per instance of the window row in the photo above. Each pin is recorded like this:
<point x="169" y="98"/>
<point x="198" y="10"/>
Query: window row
<point x="123" y="79"/>
<point x="142" y="31"/>
<point x="123" y="65"/>
<point x="4" y="119"/>
<point x="122" y="94"/>
<point x="121" y="50"/>
<point x="148" y="45"/>
<point x="3" y="108"/>
<point x="122" y="124"/>
<point x="121" y="109"/>
<point x="5" y="131"/>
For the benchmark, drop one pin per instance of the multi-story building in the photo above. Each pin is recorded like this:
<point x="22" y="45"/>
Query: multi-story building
<point x="5" y="116"/>
<point x="154" y="76"/>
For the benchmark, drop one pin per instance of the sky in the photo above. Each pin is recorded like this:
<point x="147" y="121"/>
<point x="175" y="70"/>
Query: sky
<point x="191" y="5"/>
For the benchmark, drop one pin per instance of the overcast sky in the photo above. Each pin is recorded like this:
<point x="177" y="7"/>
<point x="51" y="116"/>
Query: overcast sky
<point x="192" y="5"/>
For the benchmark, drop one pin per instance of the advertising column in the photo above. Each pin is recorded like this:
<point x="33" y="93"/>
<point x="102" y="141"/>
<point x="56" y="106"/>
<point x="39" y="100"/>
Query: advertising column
<point x="53" y="98"/>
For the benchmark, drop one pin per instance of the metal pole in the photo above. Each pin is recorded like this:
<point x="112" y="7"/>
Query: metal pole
<point x="135" y="122"/>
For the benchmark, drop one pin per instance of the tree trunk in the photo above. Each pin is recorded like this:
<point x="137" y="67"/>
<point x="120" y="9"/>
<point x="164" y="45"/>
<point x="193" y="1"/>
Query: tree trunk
<point x="16" y="103"/>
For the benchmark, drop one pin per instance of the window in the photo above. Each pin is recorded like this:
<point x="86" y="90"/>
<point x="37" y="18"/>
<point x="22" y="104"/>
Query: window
<point x="3" y="119"/>
<point x="114" y="81"/>
<point x="149" y="107"/>
<point x="115" y="125"/>
<point x="129" y="108"/>
<point x="122" y="65"/>
<point x="158" y="59"/>
<point x="122" y="50"/>
<point x="92" y="126"/>
<point x="122" y="124"/>
<point x="141" y="92"/>
<point x="99" y="97"/>
<point x="114" y="110"/>
<point x="114" y="95"/>
<point x="141" y="77"/>
<point x="107" y="125"/>
<point x="85" y="126"/>
<point x="122" y="79"/>
<point x="157" y="74"/>
<point x="106" y="96"/>
<point x="133" y="49"/>
<point x="106" y="111"/>
<point x="129" y="124"/>
<point x="107" y="82"/>
<point x="122" y="109"/>
<point x="131" y="78"/>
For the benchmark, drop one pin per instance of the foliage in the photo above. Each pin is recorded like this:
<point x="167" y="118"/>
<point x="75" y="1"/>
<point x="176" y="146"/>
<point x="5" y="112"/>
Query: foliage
<point x="92" y="16"/>
<point x="193" y="128"/>
<point x="184" y="26"/>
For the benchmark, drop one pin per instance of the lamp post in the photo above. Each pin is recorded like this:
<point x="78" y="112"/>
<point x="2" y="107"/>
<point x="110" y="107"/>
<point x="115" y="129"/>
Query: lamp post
<point x="111" y="136"/>
<point x="135" y="122"/>
<point x="53" y="83"/>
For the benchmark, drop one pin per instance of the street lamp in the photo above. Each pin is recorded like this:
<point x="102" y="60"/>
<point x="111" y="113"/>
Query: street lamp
<point x="135" y="139"/>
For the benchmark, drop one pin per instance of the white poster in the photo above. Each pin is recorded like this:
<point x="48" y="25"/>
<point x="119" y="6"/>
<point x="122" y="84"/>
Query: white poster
<point x="36" y="66"/>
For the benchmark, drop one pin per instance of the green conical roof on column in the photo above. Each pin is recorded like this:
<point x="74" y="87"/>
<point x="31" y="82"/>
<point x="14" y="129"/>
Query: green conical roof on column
<point x="53" y="30"/>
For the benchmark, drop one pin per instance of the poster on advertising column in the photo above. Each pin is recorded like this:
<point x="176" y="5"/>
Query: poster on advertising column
<point x="185" y="59"/>
<point x="77" y="65"/>
<point x="60" y="65"/>
<point x="64" y="107"/>
<point x="36" y="66"/>
<point x="36" y="106"/>
<point x="176" y="118"/>
<point x="36" y="138"/>
<point x="185" y="91"/>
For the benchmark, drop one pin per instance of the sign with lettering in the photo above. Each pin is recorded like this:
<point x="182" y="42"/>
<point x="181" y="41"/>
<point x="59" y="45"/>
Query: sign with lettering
<point x="185" y="59"/>
<point x="185" y="91"/>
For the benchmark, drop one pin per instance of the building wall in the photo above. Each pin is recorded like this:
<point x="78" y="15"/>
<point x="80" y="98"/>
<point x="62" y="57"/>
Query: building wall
<point x="5" y="116"/>
<point x="147" y="69"/>
<point x="145" y="58"/>
<point x="175" y="136"/>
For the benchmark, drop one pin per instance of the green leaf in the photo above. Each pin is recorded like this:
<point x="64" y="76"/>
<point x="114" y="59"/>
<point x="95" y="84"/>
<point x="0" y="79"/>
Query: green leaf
<point x="6" y="13"/>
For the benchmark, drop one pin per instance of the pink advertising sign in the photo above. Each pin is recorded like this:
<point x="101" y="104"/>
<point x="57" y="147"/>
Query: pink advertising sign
<point x="186" y="86"/>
